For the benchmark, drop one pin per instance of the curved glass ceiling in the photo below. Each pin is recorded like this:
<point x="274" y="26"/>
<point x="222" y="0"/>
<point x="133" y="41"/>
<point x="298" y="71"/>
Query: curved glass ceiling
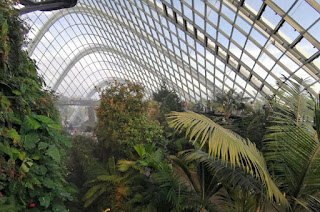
<point x="198" y="46"/>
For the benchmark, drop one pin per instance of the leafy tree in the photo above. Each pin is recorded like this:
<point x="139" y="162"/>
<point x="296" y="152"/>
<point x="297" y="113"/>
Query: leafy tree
<point x="123" y="121"/>
<point x="168" y="99"/>
<point x="231" y="102"/>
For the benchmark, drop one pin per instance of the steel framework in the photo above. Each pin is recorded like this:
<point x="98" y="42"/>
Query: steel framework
<point x="199" y="47"/>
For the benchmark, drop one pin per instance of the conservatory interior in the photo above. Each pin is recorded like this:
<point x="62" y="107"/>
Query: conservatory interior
<point x="160" y="105"/>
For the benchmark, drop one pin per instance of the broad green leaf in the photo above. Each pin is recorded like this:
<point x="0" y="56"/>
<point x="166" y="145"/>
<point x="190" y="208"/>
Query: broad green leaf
<point x="57" y="207"/>
<point x="25" y="168"/>
<point x="30" y="123"/>
<point x="45" y="201"/>
<point x="16" y="92"/>
<point x="44" y="119"/>
<point x="13" y="134"/>
<point x="62" y="139"/>
<point x="36" y="156"/>
<point x="39" y="169"/>
<point x="42" y="145"/>
<point x="30" y="140"/>
<point x="54" y="153"/>
<point x="55" y="126"/>
<point x="47" y="182"/>
<point x="29" y="185"/>
<point x="15" y="153"/>
<point x="22" y="155"/>
<point x="5" y="149"/>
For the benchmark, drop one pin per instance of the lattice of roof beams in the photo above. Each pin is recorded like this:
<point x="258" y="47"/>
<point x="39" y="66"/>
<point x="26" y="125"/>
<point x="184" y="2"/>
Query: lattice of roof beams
<point x="199" y="47"/>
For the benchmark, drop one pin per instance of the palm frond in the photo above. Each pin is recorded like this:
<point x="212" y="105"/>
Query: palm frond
<point x="178" y="162"/>
<point x="291" y="150"/>
<point x="228" y="147"/>
<point x="311" y="204"/>
<point x="93" y="194"/>
<point x="228" y="176"/>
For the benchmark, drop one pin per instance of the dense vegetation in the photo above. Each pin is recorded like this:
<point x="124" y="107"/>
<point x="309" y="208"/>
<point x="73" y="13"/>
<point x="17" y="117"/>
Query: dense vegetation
<point x="217" y="171"/>
<point x="152" y="155"/>
<point x="32" y="173"/>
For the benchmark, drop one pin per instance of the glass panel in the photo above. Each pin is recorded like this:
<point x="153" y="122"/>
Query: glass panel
<point x="304" y="8"/>
<point x="288" y="33"/>
<point x="284" y="5"/>
<point x="253" y="5"/>
<point x="252" y="49"/>
<point x="225" y="26"/>
<point x="239" y="37"/>
<point x="244" y="25"/>
<point x="266" y="61"/>
<point x="306" y="48"/>
<point x="270" y="17"/>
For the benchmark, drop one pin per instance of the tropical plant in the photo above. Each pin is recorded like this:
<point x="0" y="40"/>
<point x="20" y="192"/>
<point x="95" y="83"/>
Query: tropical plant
<point x="83" y="165"/>
<point x="168" y="99"/>
<point x="123" y="121"/>
<point x="111" y="186"/>
<point x="32" y="173"/>
<point x="202" y="184"/>
<point x="231" y="102"/>
<point x="292" y="147"/>
<point x="146" y="193"/>
<point x="252" y="126"/>
<point x="219" y="186"/>
<point x="134" y="187"/>
<point x="231" y="149"/>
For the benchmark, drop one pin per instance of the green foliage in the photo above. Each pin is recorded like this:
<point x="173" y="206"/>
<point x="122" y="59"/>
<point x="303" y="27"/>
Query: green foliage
<point x="227" y="147"/>
<point x="84" y="166"/>
<point x="231" y="102"/>
<point x="168" y="100"/>
<point x="252" y="126"/>
<point x="123" y="120"/>
<point x="145" y="192"/>
<point x="31" y="155"/>
<point x="292" y="147"/>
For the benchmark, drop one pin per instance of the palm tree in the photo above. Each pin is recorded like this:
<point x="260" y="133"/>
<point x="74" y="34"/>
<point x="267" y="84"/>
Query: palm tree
<point x="148" y="185"/>
<point x="229" y="148"/>
<point x="213" y="184"/>
<point x="292" y="147"/>
<point x="201" y="183"/>
<point x="231" y="102"/>
<point x="112" y="185"/>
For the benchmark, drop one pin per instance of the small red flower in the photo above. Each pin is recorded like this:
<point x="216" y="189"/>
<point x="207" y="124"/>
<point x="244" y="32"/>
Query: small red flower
<point x="31" y="204"/>
<point x="1" y="194"/>
<point x="7" y="38"/>
<point x="12" y="174"/>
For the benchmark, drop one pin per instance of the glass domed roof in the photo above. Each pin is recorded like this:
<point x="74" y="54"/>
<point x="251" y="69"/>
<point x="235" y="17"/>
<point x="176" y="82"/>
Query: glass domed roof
<point x="199" y="47"/>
